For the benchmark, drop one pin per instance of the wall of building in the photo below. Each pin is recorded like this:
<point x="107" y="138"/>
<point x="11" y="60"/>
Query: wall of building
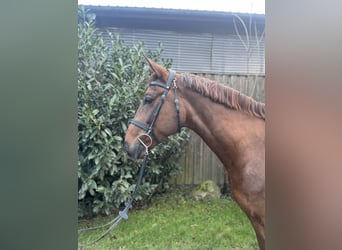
<point x="201" y="52"/>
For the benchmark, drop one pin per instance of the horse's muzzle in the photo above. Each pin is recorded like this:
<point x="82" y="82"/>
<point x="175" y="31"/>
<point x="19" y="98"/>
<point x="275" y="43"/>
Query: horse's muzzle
<point x="135" y="151"/>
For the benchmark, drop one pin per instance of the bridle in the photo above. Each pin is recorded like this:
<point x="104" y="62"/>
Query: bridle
<point x="149" y="133"/>
<point x="149" y="128"/>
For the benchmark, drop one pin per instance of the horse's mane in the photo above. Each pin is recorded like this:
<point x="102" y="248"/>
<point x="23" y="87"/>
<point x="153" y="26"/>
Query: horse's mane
<point x="224" y="95"/>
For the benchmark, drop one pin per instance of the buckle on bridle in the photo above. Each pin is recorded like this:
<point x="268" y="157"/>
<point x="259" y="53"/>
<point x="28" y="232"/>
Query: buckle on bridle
<point x="146" y="145"/>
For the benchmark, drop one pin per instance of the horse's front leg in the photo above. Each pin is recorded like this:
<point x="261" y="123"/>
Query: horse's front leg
<point x="259" y="229"/>
<point x="253" y="206"/>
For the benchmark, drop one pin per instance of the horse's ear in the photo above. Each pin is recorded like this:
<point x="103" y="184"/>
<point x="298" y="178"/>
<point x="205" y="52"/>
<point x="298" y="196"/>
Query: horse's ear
<point x="155" y="67"/>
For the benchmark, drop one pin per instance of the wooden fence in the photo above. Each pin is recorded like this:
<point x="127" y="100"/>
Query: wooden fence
<point x="199" y="163"/>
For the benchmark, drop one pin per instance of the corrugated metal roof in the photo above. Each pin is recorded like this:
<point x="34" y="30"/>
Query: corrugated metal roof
<point x="171" y="19"/>
<point x="173" y="5"/>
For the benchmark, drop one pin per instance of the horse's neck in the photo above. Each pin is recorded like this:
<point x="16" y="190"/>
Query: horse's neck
<point x="221" y="128"/>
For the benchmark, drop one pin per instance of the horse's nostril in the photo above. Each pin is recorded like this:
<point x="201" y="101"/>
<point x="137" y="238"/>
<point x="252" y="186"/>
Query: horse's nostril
<point x="130" y="150"/>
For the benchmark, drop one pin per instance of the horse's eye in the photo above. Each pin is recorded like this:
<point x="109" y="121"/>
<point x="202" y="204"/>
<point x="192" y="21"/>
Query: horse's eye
<point x="148" y="100"/>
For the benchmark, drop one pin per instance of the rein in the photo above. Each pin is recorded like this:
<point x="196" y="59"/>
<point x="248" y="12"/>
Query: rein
<point x="149" y="133"/>
<point x="122" y="214"/>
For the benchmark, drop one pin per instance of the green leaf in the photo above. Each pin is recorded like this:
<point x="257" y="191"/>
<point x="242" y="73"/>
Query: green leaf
<point x="123" y="126"/>
<point x="100" y="189"/>
<point x="108" y="132"/>
<point x="97" y="160"/>
<point x="112" y="100"/>
<point x="117" y="138"/>
<point x="92" y="155"/>
<point x="95" y="111"/>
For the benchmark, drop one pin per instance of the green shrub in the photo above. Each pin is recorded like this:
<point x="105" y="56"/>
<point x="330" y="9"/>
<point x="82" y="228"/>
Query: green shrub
<point x="111" y="81"/>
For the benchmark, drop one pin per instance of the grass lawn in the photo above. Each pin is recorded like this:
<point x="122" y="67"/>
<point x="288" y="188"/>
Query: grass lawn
<point x="175" y="221"/>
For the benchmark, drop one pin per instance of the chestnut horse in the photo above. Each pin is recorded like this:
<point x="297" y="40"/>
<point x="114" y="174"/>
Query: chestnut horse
<point x="231" y="123"/>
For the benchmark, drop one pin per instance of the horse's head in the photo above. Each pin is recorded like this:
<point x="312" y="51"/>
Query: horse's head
<point x="158" y="114"/>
